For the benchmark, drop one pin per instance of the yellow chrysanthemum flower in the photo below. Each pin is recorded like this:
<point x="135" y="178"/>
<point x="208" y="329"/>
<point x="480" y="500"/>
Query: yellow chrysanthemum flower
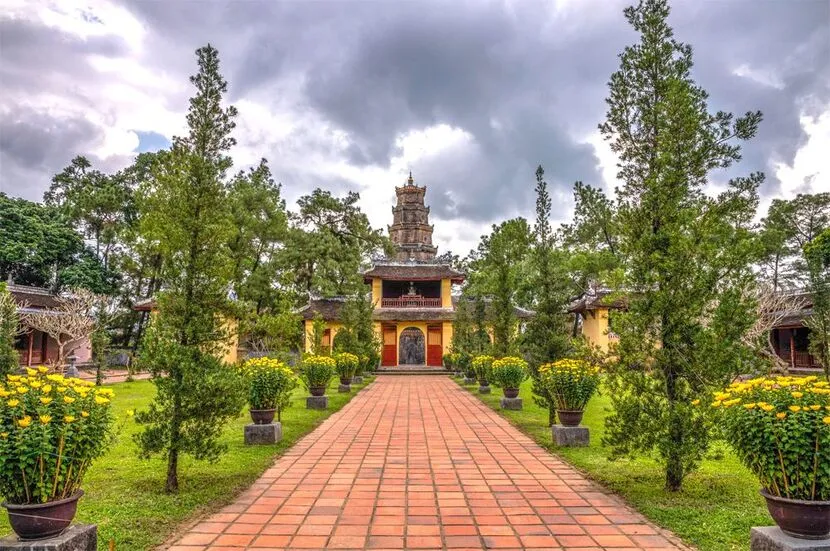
<point x="44" y="419"/>
<point x="4" y="393"/>
<point x="100" y="400"/>
<point x="795" y="409"/>
<point x="797" y="394"/>
<point x="68" y="399"/>
<point x="45" y="400"/>
<point x="815" y="407"/>
<point x="84" y="414"/>
<point x="826" y="420"/>
<point x="22" y="390"/>
<point x="47" y="389"/>
<point x="25" y="422"/>
<point x="749" y="406"/>
<point x="12" y="403"/>
<point x="767" y="407"/>
<point x="42" y="369"/>
<point x="781" y="415"/>
<point x="31" y="371"/>
<point x="61" y="389"/>
<point x="4" y="434"/>
<point x="35" y="384"/>
<point x="68" y="418"/>
<point x="695" y="402"/>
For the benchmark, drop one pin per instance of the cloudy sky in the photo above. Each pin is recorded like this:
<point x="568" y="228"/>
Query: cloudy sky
<point x="469" y="95"/>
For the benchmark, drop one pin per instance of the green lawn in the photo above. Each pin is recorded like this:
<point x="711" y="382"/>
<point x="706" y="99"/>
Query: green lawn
<point x="714" y="511"/>
<point x="125" y="495"/>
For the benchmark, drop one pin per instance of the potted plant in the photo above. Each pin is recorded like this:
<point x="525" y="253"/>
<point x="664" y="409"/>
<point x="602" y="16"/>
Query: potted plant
<point x="508" y="373"/>
<point x="571" y="383"/>
<point x="347" y="364"/>
<point x="465" y="362"/>
<point x="448" y="361"/>
<point x="51" y="430"/>
<point x="270" y="384"/>
<point x="483" y="366"/>
<point x="316" y="372"/>
<point x="780" y="429"/>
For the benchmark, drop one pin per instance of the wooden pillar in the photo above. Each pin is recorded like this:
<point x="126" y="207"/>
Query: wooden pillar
<point x="792" y="347"/>
<point x="31" y="344"/>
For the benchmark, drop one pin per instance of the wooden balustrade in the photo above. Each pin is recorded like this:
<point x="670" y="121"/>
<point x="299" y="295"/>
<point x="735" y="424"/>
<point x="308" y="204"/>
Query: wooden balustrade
<point x="411" y="302"/>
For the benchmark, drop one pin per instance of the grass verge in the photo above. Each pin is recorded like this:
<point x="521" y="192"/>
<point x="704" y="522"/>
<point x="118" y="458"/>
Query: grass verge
<point x="713" y="512"/>
<point x="125" y="495"/>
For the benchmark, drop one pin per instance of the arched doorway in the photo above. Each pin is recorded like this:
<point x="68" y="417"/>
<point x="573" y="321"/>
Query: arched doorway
<point x="412" y="349"/>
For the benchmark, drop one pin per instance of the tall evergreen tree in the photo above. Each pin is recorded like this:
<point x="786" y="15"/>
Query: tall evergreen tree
<point x="185" y="213"/>
<point x="9" y="329"/>
<point x="546" y="337"/>
<point x="687" y="254"/>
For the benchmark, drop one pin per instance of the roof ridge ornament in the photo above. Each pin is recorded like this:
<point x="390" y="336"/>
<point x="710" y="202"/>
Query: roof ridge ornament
<point x="411" y="180"/>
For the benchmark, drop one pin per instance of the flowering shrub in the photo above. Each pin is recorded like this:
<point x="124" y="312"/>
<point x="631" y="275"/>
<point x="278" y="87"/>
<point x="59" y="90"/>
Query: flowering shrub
<point x="270" y="383"/>
<point x="449" y="360"/>
<point x="571" y="383"/>
<point x="780" y="429"/>
<point x="483" y="366"/>
<point x="346" y="364"/>
<point x="509" y="372"/>
<point x="51" y="429"/>
<point x="317" y="371"/>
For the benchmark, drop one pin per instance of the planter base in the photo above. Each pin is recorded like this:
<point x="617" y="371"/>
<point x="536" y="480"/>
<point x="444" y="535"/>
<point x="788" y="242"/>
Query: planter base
<point x="511" y="403"/>
<point x="78" y="537"/>
<point x="263" y="434"/>
<point x="317" y="402"/>
<point x="771" y="538"/>
<point x="484" y="389"/>
<point x="344" y="388"/>
<point x="569" y="436"/>
<point x="358" y="380"/>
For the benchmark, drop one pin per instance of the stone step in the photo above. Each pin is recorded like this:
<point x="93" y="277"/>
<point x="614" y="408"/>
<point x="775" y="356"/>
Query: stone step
<point x="411" y="370"/>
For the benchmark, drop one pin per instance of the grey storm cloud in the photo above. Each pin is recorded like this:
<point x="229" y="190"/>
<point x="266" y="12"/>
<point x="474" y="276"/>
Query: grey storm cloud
<point x="525" y="82"/>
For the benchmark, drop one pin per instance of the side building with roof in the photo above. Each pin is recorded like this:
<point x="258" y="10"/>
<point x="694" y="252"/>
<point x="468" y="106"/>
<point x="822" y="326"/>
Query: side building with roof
<point x="411" y="292"/>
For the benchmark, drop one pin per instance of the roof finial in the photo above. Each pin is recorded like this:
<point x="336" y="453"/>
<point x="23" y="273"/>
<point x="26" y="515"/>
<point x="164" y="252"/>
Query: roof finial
<point x="411" y="181"/>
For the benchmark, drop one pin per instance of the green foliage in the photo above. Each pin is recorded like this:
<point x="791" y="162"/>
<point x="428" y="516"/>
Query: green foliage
<point x="687" y="255"/>
<point x="37" y="242"/>
<point x="497" y="268"/>
<point x="790" y="225"/>
<point x="449" y="360"/>
<point x="318" y="328"/>
<point x="483" y="366"/>
<point x="273" y="333"/>
<point x="329" y="239"/>
<point x="817" y="253"/>
<point x="185" y="212"/>
<point x="357" y="334"/>
<point x="570" y="383"/>
<point x="509" y="372"/>
<point x="51" y="430"/>
<point x="9" y="329"/>
<point x="270" y="384"/>
<point x="317" y="371"/>
<point x="347" y="364"/>
<point x="780" y="429"/>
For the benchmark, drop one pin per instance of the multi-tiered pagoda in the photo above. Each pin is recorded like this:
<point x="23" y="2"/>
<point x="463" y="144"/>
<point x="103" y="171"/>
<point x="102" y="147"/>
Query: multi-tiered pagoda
<point x="412" y="292"/>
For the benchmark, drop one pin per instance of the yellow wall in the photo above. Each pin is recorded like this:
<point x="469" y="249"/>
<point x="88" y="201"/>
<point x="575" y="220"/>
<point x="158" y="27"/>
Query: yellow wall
<point x="446" y="293"/>
<point x="595" y="327"/>
<point x="309" y="330"/>
<point x="231" y="352"/>
<point x="377" y="291"/>
<point x="446" y="337"/>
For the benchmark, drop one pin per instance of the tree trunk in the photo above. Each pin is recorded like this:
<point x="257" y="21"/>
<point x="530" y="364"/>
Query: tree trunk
<point x="551" y="414"/>
<point x="674" y="471"/>
<point x="172" y="485"/>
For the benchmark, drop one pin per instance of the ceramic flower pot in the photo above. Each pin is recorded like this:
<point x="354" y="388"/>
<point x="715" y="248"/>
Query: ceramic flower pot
<point x="570" y="417"/>
<point x="346" y="380"/>
<point x="317" y="390"/>
<point x="799" y="518"/>
<point x="511" y="392"/>
<point x="43" y="520"/>
<point x="262" y="416"/>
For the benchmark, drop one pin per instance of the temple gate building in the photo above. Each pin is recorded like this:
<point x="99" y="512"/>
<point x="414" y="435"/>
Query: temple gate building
<point x="412" y="292"/>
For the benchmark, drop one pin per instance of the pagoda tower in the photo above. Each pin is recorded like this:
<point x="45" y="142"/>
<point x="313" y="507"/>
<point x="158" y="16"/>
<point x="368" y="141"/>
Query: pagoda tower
<point x="411" y="231"/>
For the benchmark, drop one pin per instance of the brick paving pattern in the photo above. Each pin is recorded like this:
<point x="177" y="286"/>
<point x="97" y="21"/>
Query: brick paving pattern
<point x="416" y="462"/>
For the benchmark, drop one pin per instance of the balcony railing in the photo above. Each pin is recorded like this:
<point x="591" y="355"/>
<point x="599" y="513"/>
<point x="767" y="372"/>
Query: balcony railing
<point x="799" y="358"/>
<point x="410" y="302"/>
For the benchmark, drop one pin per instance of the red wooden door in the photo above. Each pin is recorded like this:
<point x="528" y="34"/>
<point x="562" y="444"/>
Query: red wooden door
<point x="390" y="346"/>
<point x="435" y="351"/>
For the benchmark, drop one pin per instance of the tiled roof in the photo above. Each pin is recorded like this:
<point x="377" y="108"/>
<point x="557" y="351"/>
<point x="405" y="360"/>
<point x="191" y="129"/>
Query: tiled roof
<point x="329" y="308"/>
<point x="33" y="297"/>
<point x="599" y="298"/>
<point x="412" y="271"/>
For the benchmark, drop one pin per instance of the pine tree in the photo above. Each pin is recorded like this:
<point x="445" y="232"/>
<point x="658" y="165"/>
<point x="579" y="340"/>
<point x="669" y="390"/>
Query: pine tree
<point x="185" y="214"/>
<point x="817" y="254"/>
<point x="9" y="329"/>
<point x="687" y="254"/>
<point x="546" y="337"/>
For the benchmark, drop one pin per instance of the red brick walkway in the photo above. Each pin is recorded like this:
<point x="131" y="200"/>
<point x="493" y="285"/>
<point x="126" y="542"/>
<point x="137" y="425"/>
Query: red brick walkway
<point x="415" y="462"/>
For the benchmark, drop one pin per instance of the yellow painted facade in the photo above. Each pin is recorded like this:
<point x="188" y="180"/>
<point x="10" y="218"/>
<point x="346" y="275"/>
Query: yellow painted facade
<point x="446" y="293"/>
<point x="230" y="349"/>
<point x="332" y="326"/>
<point x="595" y="328"/>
